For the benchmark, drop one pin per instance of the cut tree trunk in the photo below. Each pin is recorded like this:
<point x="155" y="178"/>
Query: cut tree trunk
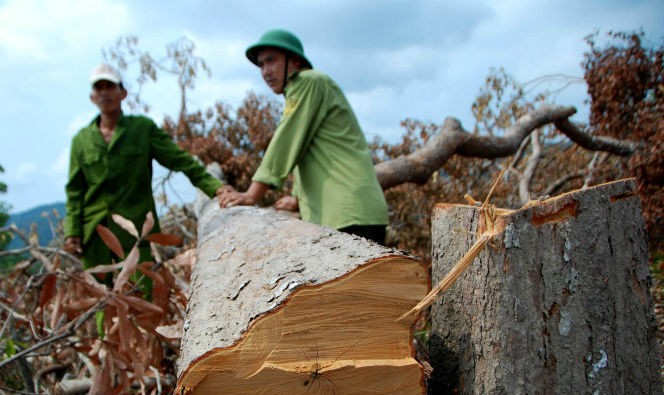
<point x="282" y="306"/>
<point x="557" y="303"/>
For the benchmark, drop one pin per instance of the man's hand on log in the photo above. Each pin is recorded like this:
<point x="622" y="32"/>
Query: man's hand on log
<point x="230" y="198"/>
<point x="224" y="189"/>
<point x="234" y="198"/>
<point x="287" y="203"/>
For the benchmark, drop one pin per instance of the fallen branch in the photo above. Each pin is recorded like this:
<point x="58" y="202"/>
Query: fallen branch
<point x="595" y="143"/>
<point x="71" y="387"/>
<point x="418" y="166"/>
<point x="531" y="165"/>
<point x="557" y="184"/>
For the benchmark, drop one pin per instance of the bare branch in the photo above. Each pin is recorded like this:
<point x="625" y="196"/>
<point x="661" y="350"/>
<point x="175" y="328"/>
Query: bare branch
<point x="17" y="251"/>
<point x="7" y="324"/>
<point x="418" y="166"/>
<point x="14" y="229"/>
<point x="73" y="327"/>
<point x="74" y="386"/>
<point x="556" y="185"/>
<point x="13" y="313"/>
<point x="597" y="160"/>
<point x="531" y="165"/>
<point x="518" y="155"/>
<point x="595" y="143"/>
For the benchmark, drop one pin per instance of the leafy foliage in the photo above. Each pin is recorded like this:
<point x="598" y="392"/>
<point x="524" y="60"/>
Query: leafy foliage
<point x="3" y="186"/>
<point x="626" y="86"/>
<point x="54" y="310"/>
<point x="236" y="143"/>
<point x="501" y="101"/>
<point x="5" y="237"/>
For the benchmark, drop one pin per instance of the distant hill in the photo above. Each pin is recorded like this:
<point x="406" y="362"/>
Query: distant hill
<point x="40" y="216"/>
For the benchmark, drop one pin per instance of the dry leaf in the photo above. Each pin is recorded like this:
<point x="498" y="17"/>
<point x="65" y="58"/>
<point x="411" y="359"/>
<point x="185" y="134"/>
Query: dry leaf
<point x="171" y="332"/>
<point x="125" y="224"/>
<point x="48" y="289"/>
<point x="185" y="259"/>
<point x="125" y="331"/>
<point x="110" y="240"/>
<point x="165" y="239"/>
<point x="128" y="269"/>
<point x="101" y="269"/>
<point x="79" y="306"/>
<point x="91" y="286"/>
<point x="56" y="262"/>
<point x="101" y="385"/>
<point x="159" y="288"/>
<point x="139" y="304"/>
<point x="148" y="224"/>
<point x="57" y="308"/>
<point x="43" y="259"/>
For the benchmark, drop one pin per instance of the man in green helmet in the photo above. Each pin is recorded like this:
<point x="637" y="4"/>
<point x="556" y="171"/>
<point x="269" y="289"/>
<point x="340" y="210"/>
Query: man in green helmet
<point x="319" y="140"/>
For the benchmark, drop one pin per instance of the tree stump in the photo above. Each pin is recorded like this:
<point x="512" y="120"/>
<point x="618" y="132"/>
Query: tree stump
<point x="282" y="306"/>
<point x="557" y="303"/>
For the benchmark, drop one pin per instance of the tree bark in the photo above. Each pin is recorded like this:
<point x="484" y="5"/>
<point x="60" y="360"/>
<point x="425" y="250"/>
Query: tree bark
<point x="557" y="303"/>
<point x="282" y="306"/>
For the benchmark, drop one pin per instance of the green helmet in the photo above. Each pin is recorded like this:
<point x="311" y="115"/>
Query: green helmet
<point x="281" y="39"/>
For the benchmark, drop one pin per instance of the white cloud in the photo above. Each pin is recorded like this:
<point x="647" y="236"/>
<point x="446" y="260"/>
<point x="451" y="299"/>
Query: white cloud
<point x="371" y="101"/>
<point x="44" y="30"/>
<point x="225" y="53"/>
<point x="372" y="108"/>
<point x="231" y="92"/>
<point x="232" y="75"/>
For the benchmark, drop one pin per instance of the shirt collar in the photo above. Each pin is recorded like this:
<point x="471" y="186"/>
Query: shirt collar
<point x="292" y="77"/>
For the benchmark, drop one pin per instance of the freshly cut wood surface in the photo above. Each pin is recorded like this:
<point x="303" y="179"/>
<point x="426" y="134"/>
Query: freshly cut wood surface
<point x="281" y="306"/>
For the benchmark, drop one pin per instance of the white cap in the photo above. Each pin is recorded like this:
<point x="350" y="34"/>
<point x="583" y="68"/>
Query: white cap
<point x="105" y="72"/>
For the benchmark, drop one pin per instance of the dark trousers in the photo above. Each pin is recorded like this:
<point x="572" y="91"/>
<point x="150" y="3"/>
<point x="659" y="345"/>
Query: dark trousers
<point x="96" y="252"/>
<point x="374" y="233"/>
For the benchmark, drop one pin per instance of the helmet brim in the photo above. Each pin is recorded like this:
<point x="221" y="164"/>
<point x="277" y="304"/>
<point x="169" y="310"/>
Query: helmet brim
<point x="253" y="51"/>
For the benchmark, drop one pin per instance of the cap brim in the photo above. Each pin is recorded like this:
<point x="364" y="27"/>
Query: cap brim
<point x="105" y="77"/>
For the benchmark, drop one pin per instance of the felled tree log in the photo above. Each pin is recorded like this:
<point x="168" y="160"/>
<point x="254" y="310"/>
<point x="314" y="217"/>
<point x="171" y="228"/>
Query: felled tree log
<point x="558" y="301"/>
<point x="281" y="306"/>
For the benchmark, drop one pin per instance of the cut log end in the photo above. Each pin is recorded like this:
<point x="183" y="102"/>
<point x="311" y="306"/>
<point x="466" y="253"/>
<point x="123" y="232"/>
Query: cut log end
<point x="338" y="337"/>
<point x="340" y="377"/>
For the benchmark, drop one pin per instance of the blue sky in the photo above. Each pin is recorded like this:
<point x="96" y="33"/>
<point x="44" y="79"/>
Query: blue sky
<point x="395" y="59"/>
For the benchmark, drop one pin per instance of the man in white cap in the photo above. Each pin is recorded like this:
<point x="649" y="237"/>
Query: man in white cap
<point x="110" y="172"/>
<point x="320" y="141"/>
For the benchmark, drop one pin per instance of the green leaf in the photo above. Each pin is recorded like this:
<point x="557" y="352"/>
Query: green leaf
<point x="10" y="348"/>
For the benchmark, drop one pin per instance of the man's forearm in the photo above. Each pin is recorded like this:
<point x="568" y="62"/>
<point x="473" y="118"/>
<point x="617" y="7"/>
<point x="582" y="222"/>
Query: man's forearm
<point x="257" y="190"/>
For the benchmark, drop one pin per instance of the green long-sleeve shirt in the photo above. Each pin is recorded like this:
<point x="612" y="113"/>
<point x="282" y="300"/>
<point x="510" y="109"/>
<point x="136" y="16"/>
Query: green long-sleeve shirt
<point x="116" y="178"/>
<point x="319" y="140"/>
